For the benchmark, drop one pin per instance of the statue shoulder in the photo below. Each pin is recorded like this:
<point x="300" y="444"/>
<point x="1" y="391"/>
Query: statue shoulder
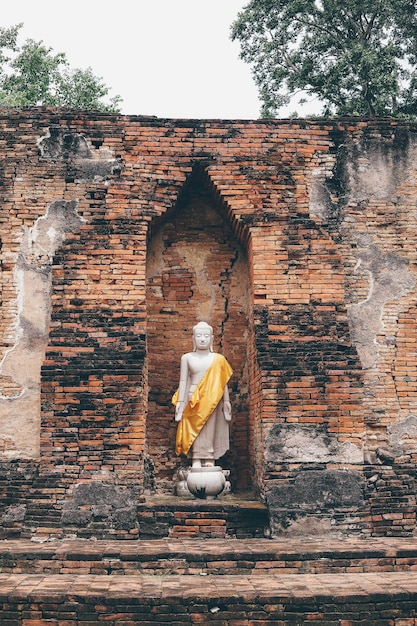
<point x="225" y="365"/>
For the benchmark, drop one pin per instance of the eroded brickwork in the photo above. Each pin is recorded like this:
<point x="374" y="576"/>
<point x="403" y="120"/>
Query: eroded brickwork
<point x="294" y="239"/>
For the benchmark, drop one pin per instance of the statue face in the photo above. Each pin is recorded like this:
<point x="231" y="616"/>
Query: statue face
<point x="202" y="336"/>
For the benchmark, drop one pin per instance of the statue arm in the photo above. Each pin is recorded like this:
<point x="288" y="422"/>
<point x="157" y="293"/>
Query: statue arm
<point x="182" y="401"/>
<point x="227" y="407"/>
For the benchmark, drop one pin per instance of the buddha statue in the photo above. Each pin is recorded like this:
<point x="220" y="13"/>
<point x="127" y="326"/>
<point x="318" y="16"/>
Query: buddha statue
<point x="203" y="409"/>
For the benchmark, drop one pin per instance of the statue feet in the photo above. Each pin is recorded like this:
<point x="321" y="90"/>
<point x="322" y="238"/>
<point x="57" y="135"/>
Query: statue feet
<point x="203" y="463"/>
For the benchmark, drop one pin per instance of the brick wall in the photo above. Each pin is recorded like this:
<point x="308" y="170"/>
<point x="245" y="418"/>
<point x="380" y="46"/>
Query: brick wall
<point x="294" y="239"/>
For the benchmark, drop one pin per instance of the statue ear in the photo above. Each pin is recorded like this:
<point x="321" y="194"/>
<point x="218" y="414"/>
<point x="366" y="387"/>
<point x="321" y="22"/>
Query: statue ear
<point x="194" y="344"/>
<point x="211" y="343"/>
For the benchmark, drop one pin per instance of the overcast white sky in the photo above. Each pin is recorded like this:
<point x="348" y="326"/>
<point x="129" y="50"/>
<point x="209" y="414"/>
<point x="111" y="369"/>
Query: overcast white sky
<point x="169" y="58"/>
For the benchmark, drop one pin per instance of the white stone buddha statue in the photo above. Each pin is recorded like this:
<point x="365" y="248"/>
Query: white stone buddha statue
<point x="203" y="409"/>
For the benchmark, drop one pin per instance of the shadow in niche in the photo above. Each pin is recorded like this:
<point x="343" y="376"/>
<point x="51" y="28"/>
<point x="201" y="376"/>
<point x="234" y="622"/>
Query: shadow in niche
<point x="196" y="270"/>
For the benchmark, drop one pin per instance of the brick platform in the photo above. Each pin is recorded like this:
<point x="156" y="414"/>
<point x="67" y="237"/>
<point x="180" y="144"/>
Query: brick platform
<point x="347" y="599"/>
<point x="221" y="583"/>
<point x="231" y="557"/>
<point x="150" y="518"/>
<point x="230" y="516"/>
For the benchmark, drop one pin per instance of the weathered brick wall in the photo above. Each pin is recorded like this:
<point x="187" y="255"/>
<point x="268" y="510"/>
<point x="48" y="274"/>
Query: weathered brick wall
<point x="294" y="239"/>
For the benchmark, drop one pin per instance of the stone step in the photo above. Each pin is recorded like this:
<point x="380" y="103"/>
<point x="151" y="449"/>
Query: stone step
<point x="225" y="517"/>
<point x="209" y="556"/>
<point x="388" y="598"/>
<point x="153" y="517"/>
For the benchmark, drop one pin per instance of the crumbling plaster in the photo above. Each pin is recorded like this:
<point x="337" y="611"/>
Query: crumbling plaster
<point x="21" y="363"/>
<point x="376" y="180"/>
<point x="19" y="415"/>
<point x="309" y="443"/>
<point x="389" y="280"/>
<point x="364" y="194"/>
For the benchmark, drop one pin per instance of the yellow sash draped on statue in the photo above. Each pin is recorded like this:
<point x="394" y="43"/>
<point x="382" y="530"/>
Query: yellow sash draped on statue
<point x="205" y="398"/>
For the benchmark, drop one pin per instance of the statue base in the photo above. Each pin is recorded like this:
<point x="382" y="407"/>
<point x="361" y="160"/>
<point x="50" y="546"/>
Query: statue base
<point x="206" y="483"/>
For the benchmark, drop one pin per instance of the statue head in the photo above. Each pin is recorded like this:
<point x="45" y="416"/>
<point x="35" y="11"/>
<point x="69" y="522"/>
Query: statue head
<point x="203" y="328"/>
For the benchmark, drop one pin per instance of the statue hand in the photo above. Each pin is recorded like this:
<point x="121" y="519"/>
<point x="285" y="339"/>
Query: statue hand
<point x="227" y="411"/>
<point x="179" y="412"/>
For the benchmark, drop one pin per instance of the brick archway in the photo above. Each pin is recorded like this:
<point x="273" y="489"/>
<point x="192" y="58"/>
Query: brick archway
<point x="196" y="270"/>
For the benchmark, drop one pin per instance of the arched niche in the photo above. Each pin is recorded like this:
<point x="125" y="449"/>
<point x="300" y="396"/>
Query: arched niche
<point x="196" y="270"/>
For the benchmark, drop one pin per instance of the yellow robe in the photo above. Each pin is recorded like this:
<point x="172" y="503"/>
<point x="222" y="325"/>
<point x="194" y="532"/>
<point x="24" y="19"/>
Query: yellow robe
<point x="205" y="398"/>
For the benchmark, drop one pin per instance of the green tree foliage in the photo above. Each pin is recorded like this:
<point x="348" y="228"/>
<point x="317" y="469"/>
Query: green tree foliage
<point x="359" y="57"/>
<point x="32" y="75"/>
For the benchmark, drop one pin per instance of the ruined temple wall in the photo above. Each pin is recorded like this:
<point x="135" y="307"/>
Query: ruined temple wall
<point x="368" y="207"/>
<point x="42" y="203"/>
<point x="324" y="213"/>
<point x="372" y="218"/>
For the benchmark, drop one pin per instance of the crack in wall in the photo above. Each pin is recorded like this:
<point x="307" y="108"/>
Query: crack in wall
<point x="224" y="279"/>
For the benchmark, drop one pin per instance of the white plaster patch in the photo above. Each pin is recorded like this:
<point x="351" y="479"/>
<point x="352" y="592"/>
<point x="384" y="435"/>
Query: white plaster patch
<point x="293" y="443"/>
<point x="318" y="196"/>
<point x="21" y="364"/>
<point x="192" y="253"/>
<point x="404" y="433"/>
<point x="389" y="281"/>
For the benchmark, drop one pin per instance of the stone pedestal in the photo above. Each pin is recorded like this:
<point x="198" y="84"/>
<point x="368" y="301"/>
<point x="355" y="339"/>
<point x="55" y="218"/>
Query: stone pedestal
<point x="206" y="482"/>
